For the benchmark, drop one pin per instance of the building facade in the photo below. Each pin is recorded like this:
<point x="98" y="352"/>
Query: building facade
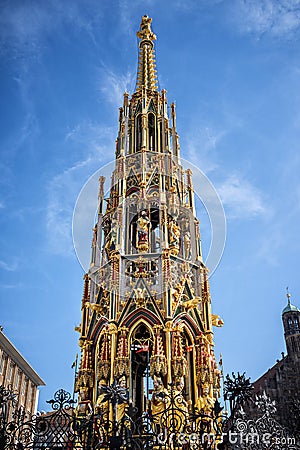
<point x="147" y="321"/>
<point x="17" y="375"/>
<point x="282" y="381"/>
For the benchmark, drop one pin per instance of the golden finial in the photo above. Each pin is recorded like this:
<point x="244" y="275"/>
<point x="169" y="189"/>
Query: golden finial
<point x="145" y="31"/>
<point x="146" y="76"/>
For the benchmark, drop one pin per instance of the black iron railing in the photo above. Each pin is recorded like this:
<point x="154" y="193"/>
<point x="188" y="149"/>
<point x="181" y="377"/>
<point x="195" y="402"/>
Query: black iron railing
<point x="173" y="427"/>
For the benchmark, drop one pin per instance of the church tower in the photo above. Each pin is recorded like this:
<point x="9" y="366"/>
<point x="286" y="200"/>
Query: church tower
<point x="147" y="322"/>
<point x="291" y="325"/>
<point x="282" y="381"/>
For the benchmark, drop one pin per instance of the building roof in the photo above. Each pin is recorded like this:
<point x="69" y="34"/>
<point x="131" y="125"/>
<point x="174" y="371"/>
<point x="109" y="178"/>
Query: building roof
<point x="21" y="362"/>
<point x="270" y="373"/>
<point x="289" y="307"/>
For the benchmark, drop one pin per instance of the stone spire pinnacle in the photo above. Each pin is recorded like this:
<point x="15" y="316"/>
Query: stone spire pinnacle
<point x="146" y="75"/>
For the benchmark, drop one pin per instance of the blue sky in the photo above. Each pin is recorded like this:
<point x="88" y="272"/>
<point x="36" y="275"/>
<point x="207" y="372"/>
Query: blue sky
<point x="233" y="69"/>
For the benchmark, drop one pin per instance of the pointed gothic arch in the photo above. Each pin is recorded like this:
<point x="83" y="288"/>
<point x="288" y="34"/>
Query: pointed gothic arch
<point x="138" y="132"/>
<point x="141" y="340"/>
<point x="151" y="132"/>
<point x="102" y="360"/>
<point x="189" y="333"/>
<point x="188" y="323"/>
<point x="141" y="313"/>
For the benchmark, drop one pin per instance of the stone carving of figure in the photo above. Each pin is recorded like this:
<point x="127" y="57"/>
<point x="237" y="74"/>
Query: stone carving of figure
<point x="143" y="223"/>
<point x="187" y="245"/>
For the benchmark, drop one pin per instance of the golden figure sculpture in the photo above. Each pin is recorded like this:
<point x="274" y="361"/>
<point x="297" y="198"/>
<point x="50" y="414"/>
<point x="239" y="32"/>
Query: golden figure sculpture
<point x="160" y="399"/>
<point x="174" y="235"/>
<point x="181" y="405"/>
<point x="110" y="240"/>
<point x="145" y="31"/>
<point x="217" y="321"/>
<point x="143" y="223"/>
<point x="121" y="407"/>
<point x="187" y="245"/>
<point x="84" y="408"/>
<point x="102" y="407"/>
<point x="205" y="403"/>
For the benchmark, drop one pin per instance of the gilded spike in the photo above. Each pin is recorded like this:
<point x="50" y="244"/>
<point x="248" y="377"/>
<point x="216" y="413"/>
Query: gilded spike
<point x="104" y="359"/>
<point x="146" y="77"/>
<point x="158" y="362"/>
<point x="122" y="360"/>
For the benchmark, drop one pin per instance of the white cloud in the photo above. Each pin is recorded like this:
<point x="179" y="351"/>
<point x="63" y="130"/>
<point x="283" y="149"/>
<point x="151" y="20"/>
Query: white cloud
<point x="113" y="85"/>
<point x="280" y="18"/>
<point x="271" y="243"/>
<point x="25" y="25"/>
<point x="279" y="239"/>
<point x="125" y="8"/>
<point x="200" y="147"/>
<point x="240" y="198"/>
<point x="62" y="194"/>
<point x="9" y="267"/>
<point x="91" y="136"/>
<point x="11" y="286"/>
<point x="187" y="5"/>
<point x="95" y="143"/>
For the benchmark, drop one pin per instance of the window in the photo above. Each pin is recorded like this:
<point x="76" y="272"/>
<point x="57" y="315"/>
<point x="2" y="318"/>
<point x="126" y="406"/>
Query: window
<point x="10" y="371"/>
<point x="293" y="344"/>
<point x="24" y="385"/>
<point x="138" y="132"/>
<point x="151" y="131"/>
<point x="18" y="379"/>
<point x="160" y="136"/>
<point x="2" y="362"/>
<point x="30" y="393"/>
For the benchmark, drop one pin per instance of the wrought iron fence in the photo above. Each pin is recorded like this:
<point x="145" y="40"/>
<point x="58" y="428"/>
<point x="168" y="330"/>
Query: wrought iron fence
<point x="174" y="427"/>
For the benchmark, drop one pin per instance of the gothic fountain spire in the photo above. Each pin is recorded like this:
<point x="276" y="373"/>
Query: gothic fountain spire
<point x="147" y="306"/>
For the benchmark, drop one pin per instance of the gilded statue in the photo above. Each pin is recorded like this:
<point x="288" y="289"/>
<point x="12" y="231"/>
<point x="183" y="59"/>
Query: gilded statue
<point x="84" y="408"/>
<point x="205" y="403"/>
<point x="110" y="238"/>
<point x="174" y="235"/>
<point x="123" y="394"/>
<point x="160" y="399"/>
<point x="102" y="406"/>
<point x="181" y="405"/>
<point x="216" y="320"/>
<point x="145" y="30"/>
<point x="187" y="245"/>
<point x="143" y="224"/>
